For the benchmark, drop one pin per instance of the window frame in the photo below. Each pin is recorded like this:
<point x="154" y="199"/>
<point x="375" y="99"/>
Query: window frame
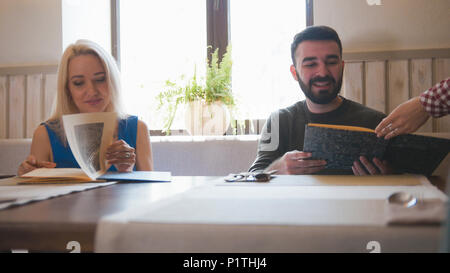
<point x="217" y="24"/>
<point x="115" y="30"/>
<point x="217" y="36"/>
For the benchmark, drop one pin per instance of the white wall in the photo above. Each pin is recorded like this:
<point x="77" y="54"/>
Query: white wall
<point x="393" y="25"/>
<point x="30" y="32"/>
<point x="35" y="32"/>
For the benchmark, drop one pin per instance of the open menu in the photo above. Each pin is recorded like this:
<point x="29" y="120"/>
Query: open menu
<point x="88" y="136"/>
<point x="341" y="145"/>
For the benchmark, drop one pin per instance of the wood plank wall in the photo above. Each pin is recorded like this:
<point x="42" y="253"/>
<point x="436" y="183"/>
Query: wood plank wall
<point x="384" y="84"/>
<point x="27" y="94"/>
<point x="26" y="99"/>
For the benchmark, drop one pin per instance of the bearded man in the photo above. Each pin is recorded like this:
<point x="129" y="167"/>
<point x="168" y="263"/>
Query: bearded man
<point x="318" y="67"/>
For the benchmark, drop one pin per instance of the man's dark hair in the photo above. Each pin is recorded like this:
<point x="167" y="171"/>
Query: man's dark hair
<point x="315" y="33"/>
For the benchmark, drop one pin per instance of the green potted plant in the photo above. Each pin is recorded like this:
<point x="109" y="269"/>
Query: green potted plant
<point x="208" y="100"/>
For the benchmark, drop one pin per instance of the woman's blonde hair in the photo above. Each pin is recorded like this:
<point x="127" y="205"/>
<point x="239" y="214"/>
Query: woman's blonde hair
<point x="64" y="104"/>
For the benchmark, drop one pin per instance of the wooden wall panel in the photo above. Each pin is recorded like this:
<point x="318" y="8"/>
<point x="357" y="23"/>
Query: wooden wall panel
<point x="49" y="94"/>
<point x="253" y="127"/>
<point x="442" y="68"/>
<point x="34" y="103"/>
<point x="27" y="95"/>
<point x="353" y="82"/>
<point x="421" y="80"/>
<point x="16" y="106"/>
<point x="376" y="85"/>
<point x="398" y="83"/>
<point x="3" y="107"/>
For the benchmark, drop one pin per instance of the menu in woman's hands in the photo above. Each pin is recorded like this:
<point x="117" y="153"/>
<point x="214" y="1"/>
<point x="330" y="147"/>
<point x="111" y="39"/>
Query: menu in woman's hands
<point x="88" y="135"/>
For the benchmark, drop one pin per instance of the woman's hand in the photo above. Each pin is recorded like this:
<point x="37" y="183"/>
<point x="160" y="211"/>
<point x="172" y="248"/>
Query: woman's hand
<point x="404" y="119"/>
<point x="32" y="163"/>
<point x="121" y="155"/>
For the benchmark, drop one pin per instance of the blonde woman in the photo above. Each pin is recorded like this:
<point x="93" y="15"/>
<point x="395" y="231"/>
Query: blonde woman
<point x="89" y="81"/>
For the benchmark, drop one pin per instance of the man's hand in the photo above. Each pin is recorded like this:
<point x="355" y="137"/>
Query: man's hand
<point x="296" y="162"/>
<point x="382" y="167"/>
<point x="121" y="155"/>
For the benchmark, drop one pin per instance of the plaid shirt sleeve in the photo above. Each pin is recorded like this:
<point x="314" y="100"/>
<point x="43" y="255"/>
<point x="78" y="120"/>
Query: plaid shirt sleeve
<point x="436" y="100"/>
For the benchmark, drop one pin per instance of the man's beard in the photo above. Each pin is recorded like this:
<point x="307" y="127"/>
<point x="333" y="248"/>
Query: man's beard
<point x="323" y="97"/>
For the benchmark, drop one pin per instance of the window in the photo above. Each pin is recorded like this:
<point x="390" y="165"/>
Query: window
<point x="261" y="35"/>
<point x="94" y="26"/>
<point x="159" y="40"/>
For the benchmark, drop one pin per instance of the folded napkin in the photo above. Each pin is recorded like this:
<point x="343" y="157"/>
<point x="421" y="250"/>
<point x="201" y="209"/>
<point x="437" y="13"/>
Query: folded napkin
<point x="429" y="211"/>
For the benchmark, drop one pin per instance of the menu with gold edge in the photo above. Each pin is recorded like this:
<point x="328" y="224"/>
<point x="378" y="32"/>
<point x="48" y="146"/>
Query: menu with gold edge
<point x="340" y="146"/>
